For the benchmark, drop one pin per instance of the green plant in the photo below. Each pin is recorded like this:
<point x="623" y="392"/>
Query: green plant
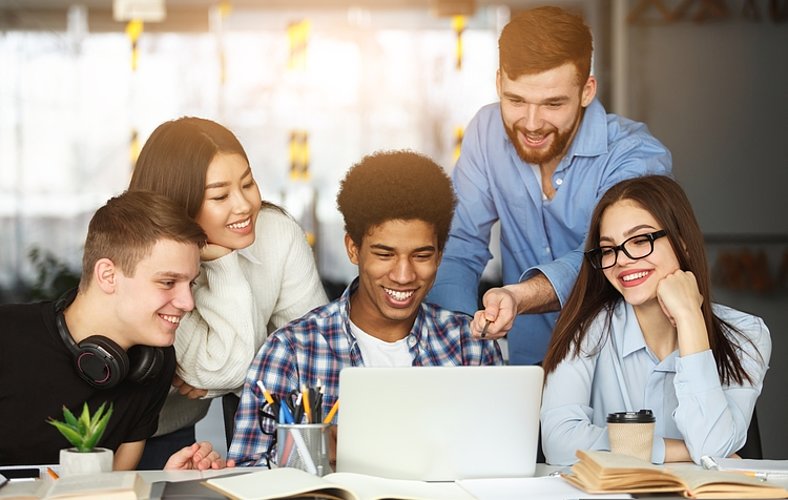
<point x="85" y="431"/>
<point x="53" y="277"/>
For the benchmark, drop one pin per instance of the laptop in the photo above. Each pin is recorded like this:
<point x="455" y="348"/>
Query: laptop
<point x="439" y="423"/>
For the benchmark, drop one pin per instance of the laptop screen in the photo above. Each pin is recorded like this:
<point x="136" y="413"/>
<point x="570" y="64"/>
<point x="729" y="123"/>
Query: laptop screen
<point x="439" y="423"/>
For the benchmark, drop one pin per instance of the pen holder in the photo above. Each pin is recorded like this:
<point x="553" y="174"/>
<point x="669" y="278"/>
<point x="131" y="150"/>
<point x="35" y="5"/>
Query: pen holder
<point x="302" y="446"/>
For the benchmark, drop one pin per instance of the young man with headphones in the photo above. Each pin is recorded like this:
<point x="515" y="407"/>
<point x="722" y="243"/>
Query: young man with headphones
<point x="109" y="341"/>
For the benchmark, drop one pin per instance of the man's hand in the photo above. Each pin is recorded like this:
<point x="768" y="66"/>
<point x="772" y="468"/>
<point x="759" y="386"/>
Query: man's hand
<point x="186" y="390"/>
<point x="497" y="317"/>
<point x="199" y="456"/>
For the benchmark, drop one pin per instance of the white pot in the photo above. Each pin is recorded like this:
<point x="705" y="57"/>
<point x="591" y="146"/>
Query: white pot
<point x="73" y="462"/>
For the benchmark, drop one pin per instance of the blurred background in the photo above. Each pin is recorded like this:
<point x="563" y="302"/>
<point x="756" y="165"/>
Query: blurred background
<point x="310" y="86"/>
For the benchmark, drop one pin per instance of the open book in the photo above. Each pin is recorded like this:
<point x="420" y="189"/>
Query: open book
<point x="605" y="472"/>
<point x="113" y="486"/>
<point x="288" y="482"/>
<point x="764" y="469"/>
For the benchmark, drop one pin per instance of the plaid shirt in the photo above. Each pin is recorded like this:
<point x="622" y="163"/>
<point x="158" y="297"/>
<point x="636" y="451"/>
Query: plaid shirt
<point x="319" y="344"/>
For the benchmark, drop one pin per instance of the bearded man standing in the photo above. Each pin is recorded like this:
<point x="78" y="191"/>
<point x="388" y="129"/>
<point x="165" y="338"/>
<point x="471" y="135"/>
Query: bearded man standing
<point x="537" y="161"/>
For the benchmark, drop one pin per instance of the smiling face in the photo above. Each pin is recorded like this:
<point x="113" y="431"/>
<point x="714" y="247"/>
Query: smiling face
<point x="635" y="280"/>
<point x="231" y="202"/>
<point x="541" y="112"/>
<point x="150" y="303"/>
<point x="397" y="262"/>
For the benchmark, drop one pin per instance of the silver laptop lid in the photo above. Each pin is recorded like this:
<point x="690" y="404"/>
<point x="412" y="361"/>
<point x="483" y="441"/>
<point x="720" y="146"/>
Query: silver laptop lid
<point x="439" y="423"/>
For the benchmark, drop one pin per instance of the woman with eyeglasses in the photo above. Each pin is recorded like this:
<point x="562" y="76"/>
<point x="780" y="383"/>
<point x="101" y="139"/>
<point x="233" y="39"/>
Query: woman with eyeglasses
<point x="639" y="331"/>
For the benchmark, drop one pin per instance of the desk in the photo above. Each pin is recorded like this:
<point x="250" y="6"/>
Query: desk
<point x="541" y="486"/>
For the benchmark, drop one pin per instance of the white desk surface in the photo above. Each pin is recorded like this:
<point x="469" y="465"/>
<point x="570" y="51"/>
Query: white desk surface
<point x="542" y="486"/>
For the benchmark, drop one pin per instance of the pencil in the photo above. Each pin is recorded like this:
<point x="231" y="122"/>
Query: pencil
<point x="331" y="412"/>
<point x="52" y="473"/>
<point x="266" y="394"/>
<point x="305" y="402"/>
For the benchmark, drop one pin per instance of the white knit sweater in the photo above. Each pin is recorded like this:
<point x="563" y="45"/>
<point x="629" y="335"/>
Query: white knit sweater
<point x="239" y="299"/>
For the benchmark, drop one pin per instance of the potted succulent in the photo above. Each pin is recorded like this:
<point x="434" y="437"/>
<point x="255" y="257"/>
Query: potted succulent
<point x="83" y="433"/>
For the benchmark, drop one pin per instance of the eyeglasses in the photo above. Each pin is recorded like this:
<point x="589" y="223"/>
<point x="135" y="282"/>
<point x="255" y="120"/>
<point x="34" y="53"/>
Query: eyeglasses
<point x="635" y="247"/>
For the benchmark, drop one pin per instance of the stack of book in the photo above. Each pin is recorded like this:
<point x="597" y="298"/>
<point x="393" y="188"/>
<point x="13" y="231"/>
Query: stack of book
<point x="605" y="472"/>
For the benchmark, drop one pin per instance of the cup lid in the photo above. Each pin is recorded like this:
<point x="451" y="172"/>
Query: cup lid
<point x="631" y="417"/>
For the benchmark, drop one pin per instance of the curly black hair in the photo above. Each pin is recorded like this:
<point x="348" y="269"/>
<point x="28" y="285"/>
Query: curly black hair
<point x="396" y="185"/>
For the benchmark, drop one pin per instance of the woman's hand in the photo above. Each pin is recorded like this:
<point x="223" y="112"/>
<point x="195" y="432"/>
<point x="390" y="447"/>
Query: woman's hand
<point x="187" y="390"/>
<point x="680" y="300"/>
<point x="679" y="296"/>
<point x="212" y="251"/>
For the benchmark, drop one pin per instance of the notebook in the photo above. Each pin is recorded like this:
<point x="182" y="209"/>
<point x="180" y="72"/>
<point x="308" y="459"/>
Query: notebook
<point x="439" y="423"/>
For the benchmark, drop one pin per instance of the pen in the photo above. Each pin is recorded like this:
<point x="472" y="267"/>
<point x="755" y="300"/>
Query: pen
<point x="763" y="476"/>
<point x="298" y="412"/>
<point x="52" y="473"/>
<point x="331" y="412"/>
<point x="285" y="415"/>
<point x="486" y="325"/>
<point x="266" y="394"/>
<point x="318" y="403"/>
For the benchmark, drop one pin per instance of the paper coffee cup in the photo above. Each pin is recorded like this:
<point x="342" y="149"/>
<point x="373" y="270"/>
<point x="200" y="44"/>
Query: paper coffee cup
<point x="631" y="433"/>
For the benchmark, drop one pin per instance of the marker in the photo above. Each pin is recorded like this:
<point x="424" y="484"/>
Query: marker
<point x="266" y="394"/>
<point x="331" y="413"/>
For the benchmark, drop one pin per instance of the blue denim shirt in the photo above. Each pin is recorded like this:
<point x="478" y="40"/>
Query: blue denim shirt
<point x="494" y="184"/>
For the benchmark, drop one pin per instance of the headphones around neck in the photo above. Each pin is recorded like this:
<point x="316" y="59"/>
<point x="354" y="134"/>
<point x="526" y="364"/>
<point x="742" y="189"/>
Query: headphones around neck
<point x="100" y="361"/>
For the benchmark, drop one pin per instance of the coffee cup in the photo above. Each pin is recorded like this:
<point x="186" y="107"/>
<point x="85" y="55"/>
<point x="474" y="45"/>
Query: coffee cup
<point x="631" y="433"/>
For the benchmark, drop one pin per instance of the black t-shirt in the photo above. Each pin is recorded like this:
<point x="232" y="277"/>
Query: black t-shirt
<point x="37" y="378"/>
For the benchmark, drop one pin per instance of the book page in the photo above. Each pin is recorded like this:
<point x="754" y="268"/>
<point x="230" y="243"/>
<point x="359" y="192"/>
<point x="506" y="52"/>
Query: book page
<point x="374" y="488"/>
<point x="543" y="488"/>
<point x="277" y="483"/>
<point x="721" y="484"/>
<point x="604" y="471"/>
<point x="112" y="485"/>
<point x="767" y="466"/>
<point x="599" y="471"/>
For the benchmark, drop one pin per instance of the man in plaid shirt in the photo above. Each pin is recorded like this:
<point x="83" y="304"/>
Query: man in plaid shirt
<point x="397" y="208"/>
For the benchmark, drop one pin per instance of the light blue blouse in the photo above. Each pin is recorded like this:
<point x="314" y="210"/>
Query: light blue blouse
<point x="684" y="393"/>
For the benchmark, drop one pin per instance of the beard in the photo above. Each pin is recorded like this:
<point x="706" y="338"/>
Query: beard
<point x="556" y="147"/>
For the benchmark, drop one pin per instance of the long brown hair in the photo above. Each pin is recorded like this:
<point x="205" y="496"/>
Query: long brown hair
<point x="176" y="156"/>
<point x="593" y="294"/>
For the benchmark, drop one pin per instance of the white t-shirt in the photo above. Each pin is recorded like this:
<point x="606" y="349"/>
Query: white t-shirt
<point x="380" y="353"/>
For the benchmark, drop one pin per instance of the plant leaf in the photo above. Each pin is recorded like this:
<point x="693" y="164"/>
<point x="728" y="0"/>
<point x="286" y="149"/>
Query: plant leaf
<point x="73" y="437"/>
<point x="84" y="419"/>
<point x="69" y="417"/>
<point x="98" y="429"/>
<point x="84" y="432"/>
